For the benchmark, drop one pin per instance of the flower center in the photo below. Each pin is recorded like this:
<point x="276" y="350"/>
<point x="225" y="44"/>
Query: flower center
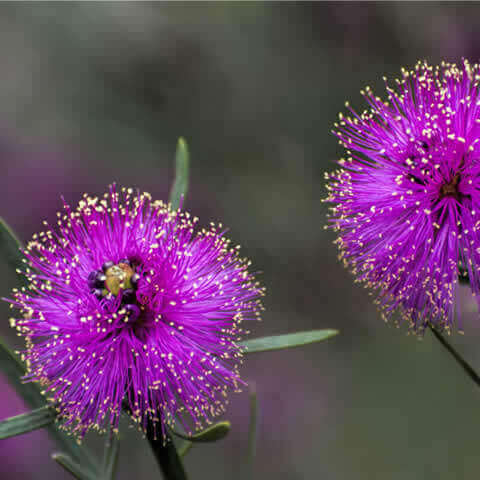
<point x="117" y="279"/>
<point x="451" y="189"/>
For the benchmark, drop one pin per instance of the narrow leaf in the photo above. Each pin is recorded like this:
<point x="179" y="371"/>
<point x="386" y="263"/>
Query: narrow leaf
<point x="111" y="456"/>
<point x="26" y="422"/>
<point x="211" y="434"/>
<point x="184" y="448"/>
<point x="290" y="340"/>
<point x="180" y="184"/>
<point x="252" y="431"/>
<point x="76" y="470"/>
<point x="10" y="246"/>
<point x="14" y="370"/>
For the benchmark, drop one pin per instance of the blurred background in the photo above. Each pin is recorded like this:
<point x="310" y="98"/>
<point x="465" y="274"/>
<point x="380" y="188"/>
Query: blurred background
<point x="92" y="93"/>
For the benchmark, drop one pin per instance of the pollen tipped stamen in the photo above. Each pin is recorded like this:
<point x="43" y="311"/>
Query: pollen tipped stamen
<point x="404" y="201"/>
<point x="96" y="279"/>
<point x="416" y="179"/>
<point x="134" y="280"/>
<point x="98" y="293"/>
<point x="133" y="312"/>
<point x="107" y="265"/>
<point x="172" y="351"/>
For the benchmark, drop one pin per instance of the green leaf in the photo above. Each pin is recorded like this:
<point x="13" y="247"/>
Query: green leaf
<point x="14" y="370"/>
<point x="184" y="448"/>
<point x="72" y="467"/>
<point x="210" y="434"/>
<point x="26" y="422"/>
<point x="10" y="246"/>
<point x="252" y="431"/>
<point x="180" y="184"/>
<point x="289" y="340"/>
<point x="110" y="459"/>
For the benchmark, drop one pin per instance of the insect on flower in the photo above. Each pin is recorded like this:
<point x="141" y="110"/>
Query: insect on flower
<point x="406" y="200"/>
<point x="128" y="303"/>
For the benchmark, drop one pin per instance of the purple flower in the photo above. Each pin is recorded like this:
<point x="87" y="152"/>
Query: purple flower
<point x="407" y="196"/>
<point x="127" y="304"/>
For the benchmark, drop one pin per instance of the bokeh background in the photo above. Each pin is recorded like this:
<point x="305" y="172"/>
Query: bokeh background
<point x="92" y="93"/>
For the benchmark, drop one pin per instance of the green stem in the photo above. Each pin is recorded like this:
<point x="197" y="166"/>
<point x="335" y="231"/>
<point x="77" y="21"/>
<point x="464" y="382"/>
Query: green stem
<point x="459" y="359"/>
<point x="166" y="454"/>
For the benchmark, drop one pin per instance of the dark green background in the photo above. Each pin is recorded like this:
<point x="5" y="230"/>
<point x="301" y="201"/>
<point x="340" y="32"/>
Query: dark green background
<point x="98" y="92"/>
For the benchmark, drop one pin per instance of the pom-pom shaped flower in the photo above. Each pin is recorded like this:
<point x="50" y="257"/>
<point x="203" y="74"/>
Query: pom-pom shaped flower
<point x="407" y="196"/>
<point x="128" y="305"/>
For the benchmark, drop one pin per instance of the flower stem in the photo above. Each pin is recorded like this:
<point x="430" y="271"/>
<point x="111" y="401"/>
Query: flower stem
<point x="459" y="359"/>
<point x="166" y="454"/>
